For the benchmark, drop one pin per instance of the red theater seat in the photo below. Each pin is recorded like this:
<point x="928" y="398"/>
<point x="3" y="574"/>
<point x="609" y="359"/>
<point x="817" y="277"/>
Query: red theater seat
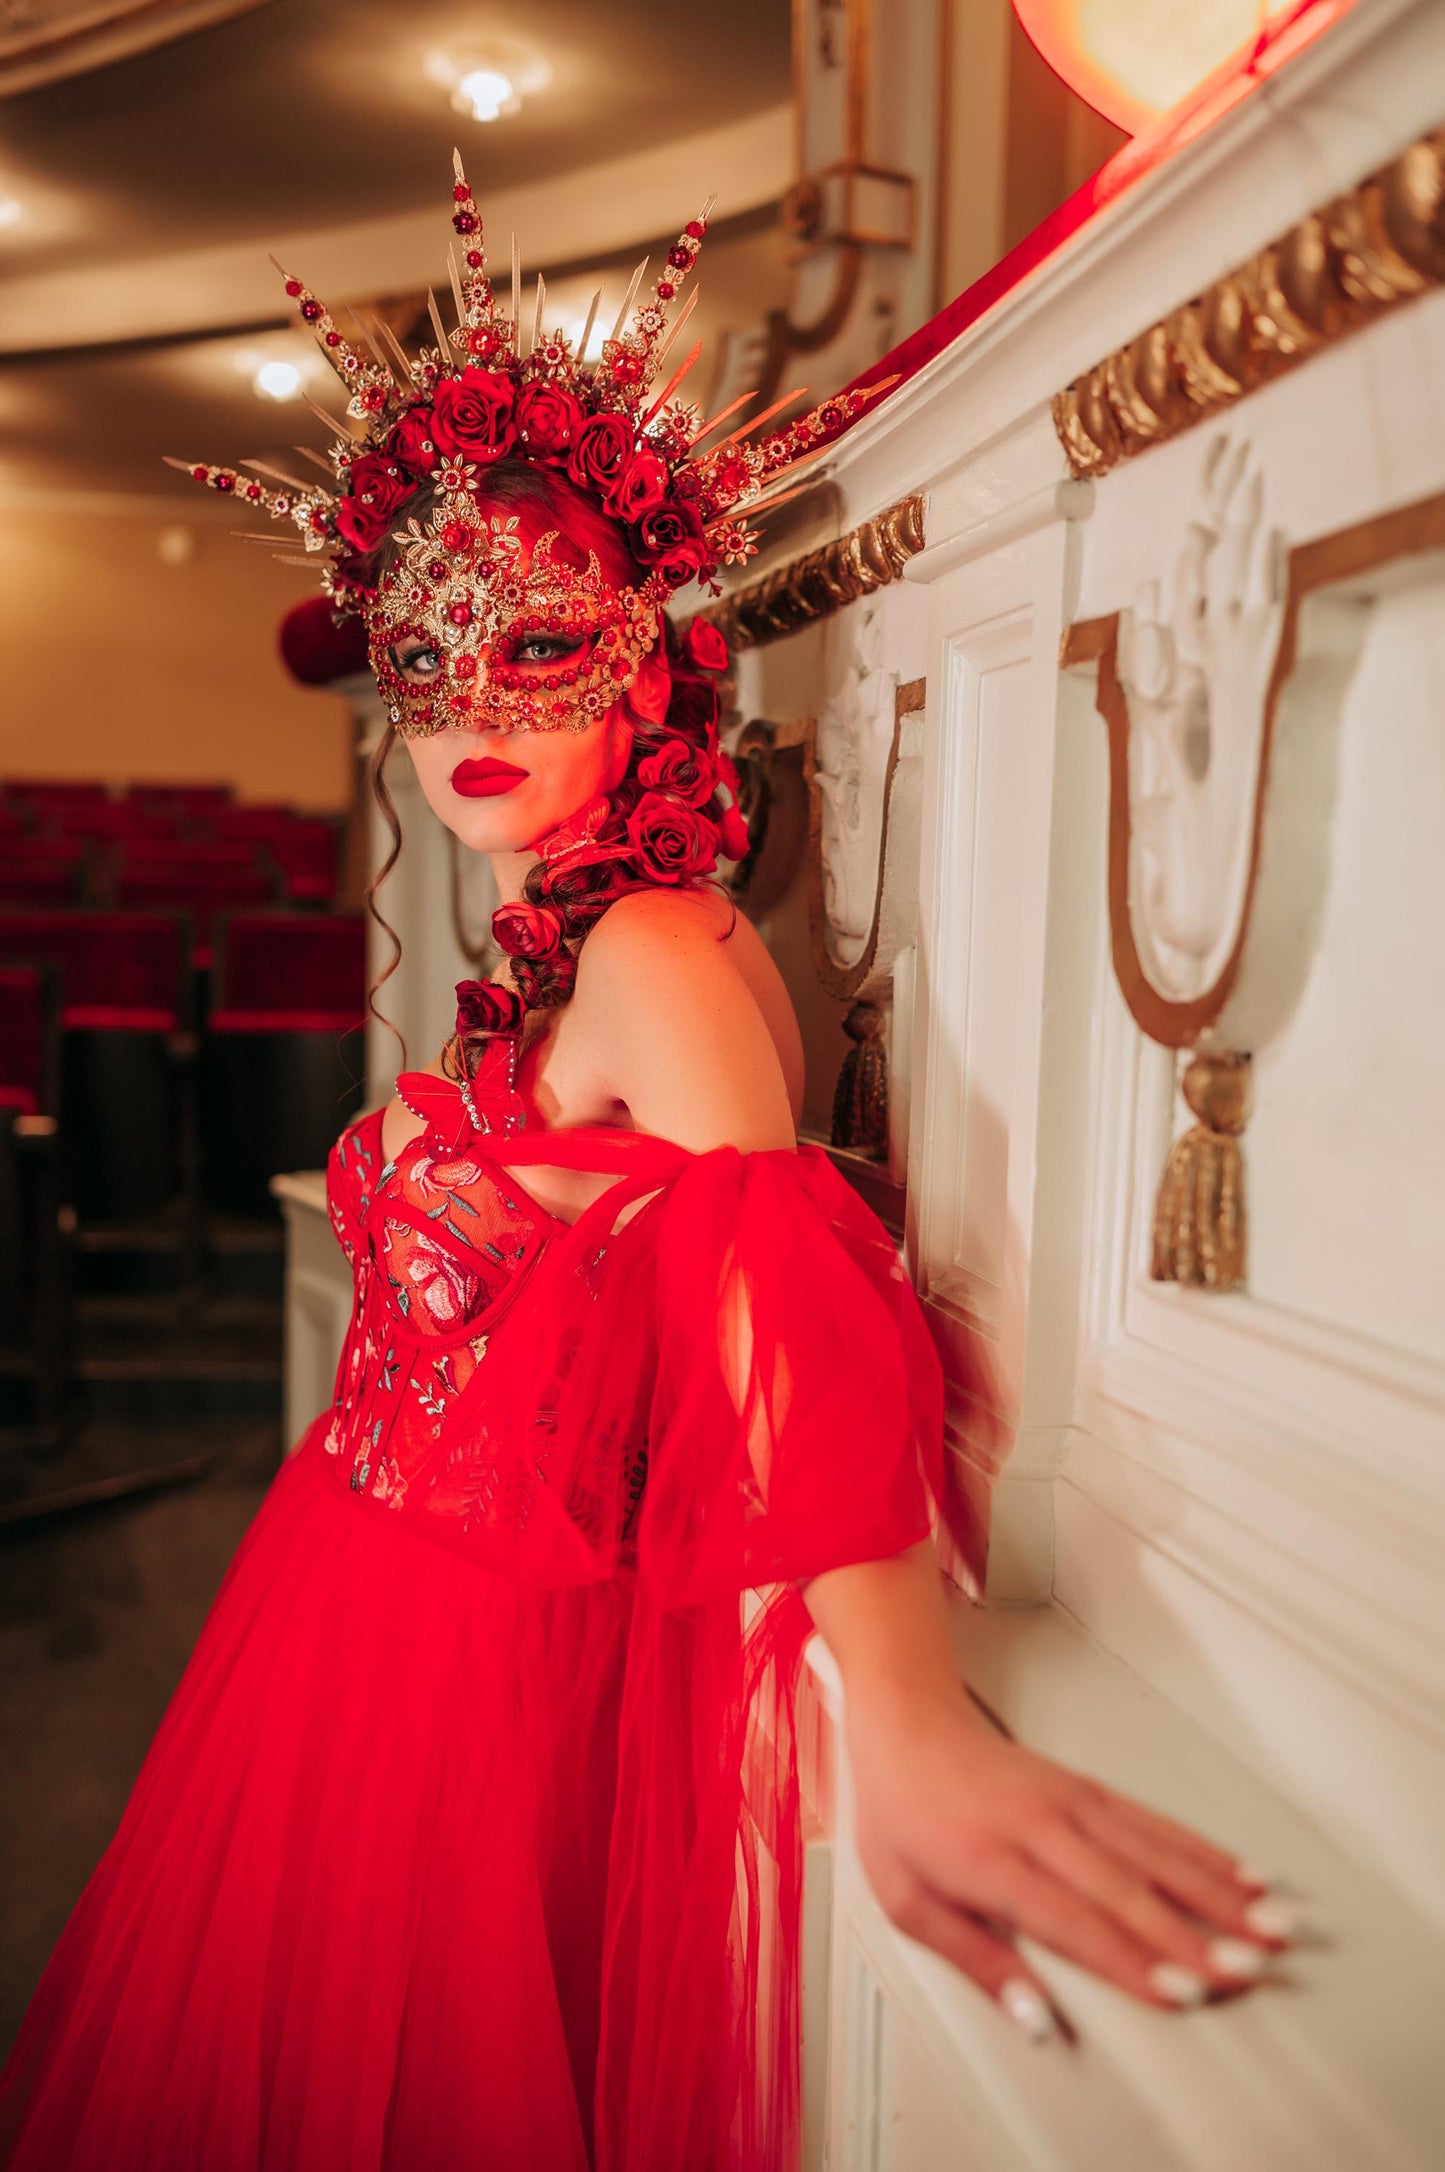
<point x="120" y="972"/>
<point x="192" y="802"/>
<point x="30" y="1038"/>
<point x="305" y="852"/>
<point x="202" y="857"/>
<point x="195" y="889"/>
<point x="42" y="792"/>
<point x="289" y="973"/>
<point x="42" y="870"/>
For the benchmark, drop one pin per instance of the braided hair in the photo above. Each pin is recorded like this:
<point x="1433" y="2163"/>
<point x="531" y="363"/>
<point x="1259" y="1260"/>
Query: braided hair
<point x="663" y="824"/>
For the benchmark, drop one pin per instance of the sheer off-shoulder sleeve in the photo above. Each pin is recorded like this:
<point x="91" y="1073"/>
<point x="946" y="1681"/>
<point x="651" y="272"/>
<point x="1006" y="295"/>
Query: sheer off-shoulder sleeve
<point x="721" y="1371"/>
<point x="718" y="1381"/>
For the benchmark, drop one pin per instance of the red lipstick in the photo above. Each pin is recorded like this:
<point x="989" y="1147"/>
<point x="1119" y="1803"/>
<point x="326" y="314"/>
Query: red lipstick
<point x="484" y="780"/>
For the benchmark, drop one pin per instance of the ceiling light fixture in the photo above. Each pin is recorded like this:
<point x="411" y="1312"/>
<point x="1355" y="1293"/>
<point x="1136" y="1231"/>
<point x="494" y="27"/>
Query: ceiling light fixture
<point x="488" y="82"/>
<point x="486" y="95"/>
<point x="277" y="381"/>
<point x="12" y="211"/>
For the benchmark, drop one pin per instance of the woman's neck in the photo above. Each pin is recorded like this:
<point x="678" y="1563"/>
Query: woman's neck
<point x="510" y="870"/>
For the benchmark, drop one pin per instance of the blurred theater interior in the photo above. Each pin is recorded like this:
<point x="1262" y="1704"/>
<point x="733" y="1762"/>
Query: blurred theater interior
<point x="1088" y="700"/>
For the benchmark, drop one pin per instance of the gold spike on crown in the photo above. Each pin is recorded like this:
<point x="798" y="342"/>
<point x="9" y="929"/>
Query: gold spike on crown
<point x="487" y="390"/>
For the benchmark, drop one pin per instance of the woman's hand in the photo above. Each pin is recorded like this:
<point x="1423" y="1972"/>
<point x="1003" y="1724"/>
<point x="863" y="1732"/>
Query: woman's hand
<point x="967" y="1838"/>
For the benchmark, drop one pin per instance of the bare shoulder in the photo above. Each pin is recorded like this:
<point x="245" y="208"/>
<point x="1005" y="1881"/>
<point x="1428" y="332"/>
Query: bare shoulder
<point x="691" y="1035"/>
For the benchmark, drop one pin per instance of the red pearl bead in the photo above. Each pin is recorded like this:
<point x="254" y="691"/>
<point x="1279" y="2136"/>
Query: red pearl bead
<point x="475" y="259"/>
<point x="311" y="311"/>
<point x="665" y="290"/>
<point x="199" y="474"/>
<point x="294" y="287"/>
<point x="225" y="482"/>
<point x="333" y="339"/>
<point x="696" y="228"/>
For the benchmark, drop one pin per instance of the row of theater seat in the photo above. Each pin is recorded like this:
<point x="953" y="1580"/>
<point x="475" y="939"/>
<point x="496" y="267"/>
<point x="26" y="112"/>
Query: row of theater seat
<point x="80" y="850"/>
<point x="140" y="1093"/>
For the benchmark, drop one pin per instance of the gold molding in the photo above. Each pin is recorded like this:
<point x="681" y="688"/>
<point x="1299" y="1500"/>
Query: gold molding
<point x="814" y="586"/>
<point x="1379" y="244"/>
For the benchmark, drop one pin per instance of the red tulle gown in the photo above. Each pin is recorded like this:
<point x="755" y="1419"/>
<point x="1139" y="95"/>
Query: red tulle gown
<point x="470" y="1837"/>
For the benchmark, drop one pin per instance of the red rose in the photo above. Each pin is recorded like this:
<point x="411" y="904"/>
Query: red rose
<point x="375" y="493"/>
<point x="547" y="419"/>
<point x="527" y="931"/>
<point x="640" y="488"/>
<point x="671" y="542"/>
<point x="411" y="444"/>
<point x="706" y="646"/>
<point x="671" y="842"/>
<point x="472" y="414"/>
<point x="485" y="1006"/>
<point x="600" y="451"/>
<point x="676" y="768"/>
<point x="733" y="835"/>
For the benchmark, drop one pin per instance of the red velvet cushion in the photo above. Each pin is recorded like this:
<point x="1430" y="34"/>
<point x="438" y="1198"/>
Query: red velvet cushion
<point x="289" y="973"/>
<point x="124" y="970"/>
<point x="45" y="791"/>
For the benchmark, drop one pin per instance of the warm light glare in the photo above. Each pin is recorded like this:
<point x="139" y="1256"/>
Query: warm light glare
<point x="486" y="95"/>
<point x="12" y="211"/>
<point x="277" y="381"/>
<point x="1133" y="60"/>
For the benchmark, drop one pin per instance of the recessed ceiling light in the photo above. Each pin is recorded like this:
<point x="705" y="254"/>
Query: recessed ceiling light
<point x="12" y="211"/>
<point x="486" y="95"/>
<point x="277" y="381"/>
<point x="490" y="80"/>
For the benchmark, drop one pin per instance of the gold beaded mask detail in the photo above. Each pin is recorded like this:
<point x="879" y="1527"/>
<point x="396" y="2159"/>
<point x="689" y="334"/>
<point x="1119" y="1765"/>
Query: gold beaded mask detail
<point x="463" y="602"/>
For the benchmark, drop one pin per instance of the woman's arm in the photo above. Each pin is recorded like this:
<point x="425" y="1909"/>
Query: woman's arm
<point x="965" y="1837"/>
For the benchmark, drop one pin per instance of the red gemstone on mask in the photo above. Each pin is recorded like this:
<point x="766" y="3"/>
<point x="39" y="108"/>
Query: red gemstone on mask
<point x="460" y="614"/>
<point x="225" y="482"/>
<point x="311" y="311"/>
<point x="253" y="491"/>
<point x="665" y="290"/>
<point x="200" y="474"/>
<point x="475" y="260"/>
<point x="318" y="522"/>
<point x="294" y="287"/>
<point x="678" y="259"/>
<point x="461" y="192"/>
<point x="464" y="667"/>
<point x="437" y="570"/>
<point x="696" y="228"/>
<point x="333" y="339"/>
<point x="465" y="222"/>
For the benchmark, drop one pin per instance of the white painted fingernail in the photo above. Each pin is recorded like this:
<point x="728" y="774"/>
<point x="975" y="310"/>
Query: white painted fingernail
<point x="1025" y="2004"/>
<point x="1181" y="1986"/>
<point x="1272" y="1917"/>
<point x="1236" y="1957"/>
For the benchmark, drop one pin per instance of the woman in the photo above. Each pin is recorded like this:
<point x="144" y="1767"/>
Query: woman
<point x="471" y="1835"/>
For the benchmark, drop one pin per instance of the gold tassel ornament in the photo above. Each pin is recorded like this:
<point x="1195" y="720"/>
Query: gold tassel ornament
<point x="860" y="1099"/>
<point x="1199" y="1225"/>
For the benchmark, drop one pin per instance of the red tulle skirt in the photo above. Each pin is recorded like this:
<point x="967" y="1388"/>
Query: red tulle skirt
<point x="353" y="1914"/>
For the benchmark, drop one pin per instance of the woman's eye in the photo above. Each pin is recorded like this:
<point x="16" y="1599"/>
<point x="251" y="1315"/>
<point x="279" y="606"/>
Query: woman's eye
<point x="546" y="648"/>
<point x="419" y="663"/>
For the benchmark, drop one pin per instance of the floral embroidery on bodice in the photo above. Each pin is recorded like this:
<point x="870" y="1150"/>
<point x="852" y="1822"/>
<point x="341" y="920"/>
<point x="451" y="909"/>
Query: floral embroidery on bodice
<point x="440" y="1242"/>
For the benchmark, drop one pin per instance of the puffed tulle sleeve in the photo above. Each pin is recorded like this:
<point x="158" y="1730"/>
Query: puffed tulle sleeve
<point x="720" y="1371"/>
<point x="717" y="1384"/>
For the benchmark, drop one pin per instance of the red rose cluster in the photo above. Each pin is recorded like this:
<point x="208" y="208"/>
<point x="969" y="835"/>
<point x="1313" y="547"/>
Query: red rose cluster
<point x="479" y="416"/>
<point x="669" y="821"/>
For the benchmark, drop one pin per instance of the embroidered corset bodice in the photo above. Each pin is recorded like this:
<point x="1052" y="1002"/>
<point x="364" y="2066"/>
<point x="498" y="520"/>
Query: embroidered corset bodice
<point x="441" y="1244"/>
